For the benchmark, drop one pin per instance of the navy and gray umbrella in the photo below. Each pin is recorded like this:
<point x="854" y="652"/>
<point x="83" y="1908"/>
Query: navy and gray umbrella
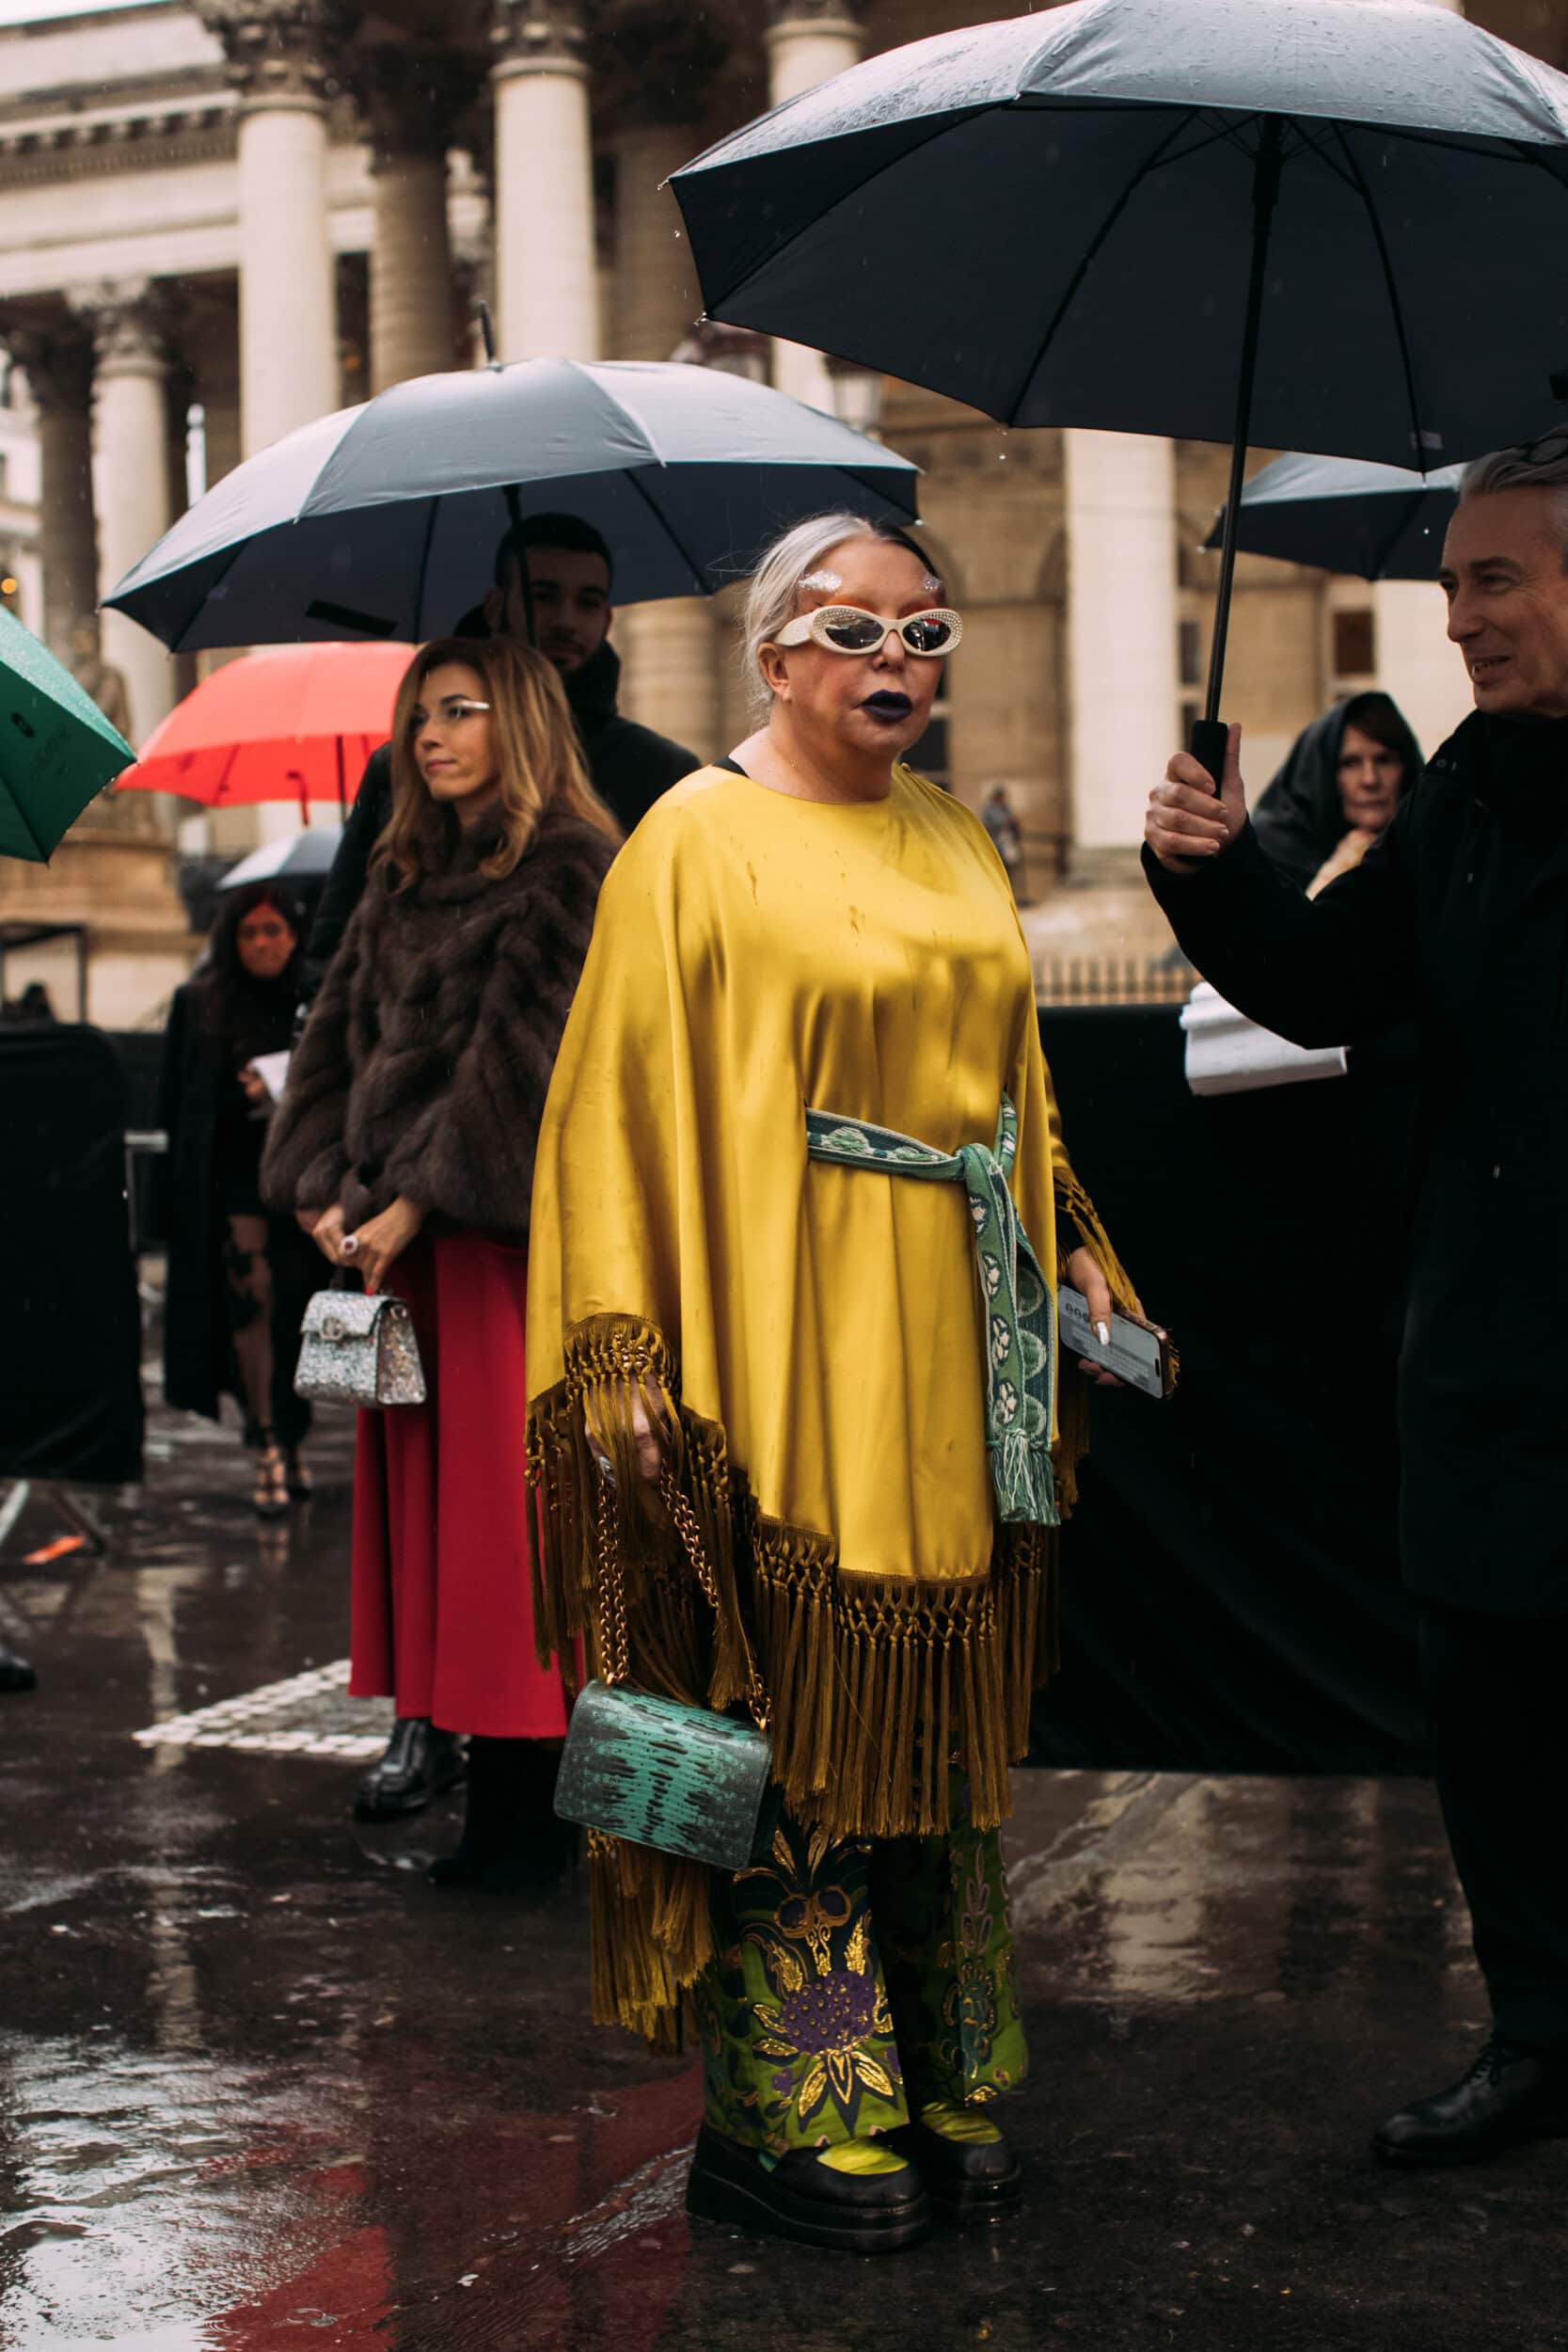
<point x="384" y="520"/>
<point x="1380" y="522"/>
<point x="1309" y="224"/>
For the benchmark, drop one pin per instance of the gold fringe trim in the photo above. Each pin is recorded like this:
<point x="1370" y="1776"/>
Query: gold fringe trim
<point x="877" y="1685"/>
<point x="1072" y="1391"/>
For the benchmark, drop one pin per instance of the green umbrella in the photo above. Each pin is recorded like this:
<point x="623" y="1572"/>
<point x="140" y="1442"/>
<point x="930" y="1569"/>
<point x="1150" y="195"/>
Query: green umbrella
<point x="57" y="751"/>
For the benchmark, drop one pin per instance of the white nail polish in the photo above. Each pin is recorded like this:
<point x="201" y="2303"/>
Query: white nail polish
<point x="1103" y="1332"/>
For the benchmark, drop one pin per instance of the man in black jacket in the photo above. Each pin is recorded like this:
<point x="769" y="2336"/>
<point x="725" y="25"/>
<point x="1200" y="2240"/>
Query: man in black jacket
<point x="1458" y="919"/>
<point x="569" y="593"/>
<point x="570" y="587"/>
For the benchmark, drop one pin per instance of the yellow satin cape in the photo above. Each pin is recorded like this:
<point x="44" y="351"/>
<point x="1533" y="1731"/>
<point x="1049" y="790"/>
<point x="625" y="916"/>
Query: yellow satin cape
<point x="812" y="1333"/>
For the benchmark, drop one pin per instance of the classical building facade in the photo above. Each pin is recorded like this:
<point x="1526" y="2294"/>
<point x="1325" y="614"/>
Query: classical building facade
<point x="219" y="219"/>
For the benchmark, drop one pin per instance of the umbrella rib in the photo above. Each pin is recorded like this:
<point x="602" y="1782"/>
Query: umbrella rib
<point x="698" y="570"/>
<point x="956" y="120"/>
<point x="1150" y="164"/>
<point x="1406" y="364"/>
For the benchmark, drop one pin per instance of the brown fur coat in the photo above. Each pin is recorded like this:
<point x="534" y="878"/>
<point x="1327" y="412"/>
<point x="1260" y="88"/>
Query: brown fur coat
<point x="425" y="1063"/>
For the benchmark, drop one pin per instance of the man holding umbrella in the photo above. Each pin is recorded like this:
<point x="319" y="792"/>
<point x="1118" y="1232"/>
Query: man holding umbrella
<point x="1458" y="919"/>
<point x="567" y="594"/>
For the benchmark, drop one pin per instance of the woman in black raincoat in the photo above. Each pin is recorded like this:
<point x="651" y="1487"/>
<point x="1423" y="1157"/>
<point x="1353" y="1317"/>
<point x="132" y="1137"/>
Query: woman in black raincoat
<point x="1342" y="780"/>
<point x="238" y="1276"/>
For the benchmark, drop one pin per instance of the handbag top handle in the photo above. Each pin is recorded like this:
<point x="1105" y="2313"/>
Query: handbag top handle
<point x="614" y="1663"/>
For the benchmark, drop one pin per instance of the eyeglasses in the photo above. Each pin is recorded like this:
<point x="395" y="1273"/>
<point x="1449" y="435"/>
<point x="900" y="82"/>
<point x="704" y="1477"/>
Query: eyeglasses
<point x="846" y="629"/>
<point x="455" y="708"/>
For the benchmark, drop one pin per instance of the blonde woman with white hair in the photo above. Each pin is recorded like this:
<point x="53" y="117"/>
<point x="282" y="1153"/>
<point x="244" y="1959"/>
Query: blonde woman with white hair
<point x="795" y="1242"/>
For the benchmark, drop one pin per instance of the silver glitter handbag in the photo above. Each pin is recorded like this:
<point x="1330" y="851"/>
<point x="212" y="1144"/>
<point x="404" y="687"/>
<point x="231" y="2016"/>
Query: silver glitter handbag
<point x="356" y="1350"/>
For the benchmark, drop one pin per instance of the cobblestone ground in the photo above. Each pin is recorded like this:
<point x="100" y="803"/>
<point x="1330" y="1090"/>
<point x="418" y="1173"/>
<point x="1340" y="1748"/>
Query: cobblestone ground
<point x="262" y="2086"/>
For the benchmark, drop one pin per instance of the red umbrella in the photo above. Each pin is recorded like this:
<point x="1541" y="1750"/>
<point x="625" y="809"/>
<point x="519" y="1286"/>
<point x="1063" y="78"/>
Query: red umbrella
<point x="288" y="722"/>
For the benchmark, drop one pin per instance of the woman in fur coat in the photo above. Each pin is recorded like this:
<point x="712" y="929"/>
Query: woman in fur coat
<point x="406" y="1144"/>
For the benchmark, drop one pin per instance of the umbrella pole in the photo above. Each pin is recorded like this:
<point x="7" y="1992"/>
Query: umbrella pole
<point x="1209" y="733"/>
<point x="513" y="499"/>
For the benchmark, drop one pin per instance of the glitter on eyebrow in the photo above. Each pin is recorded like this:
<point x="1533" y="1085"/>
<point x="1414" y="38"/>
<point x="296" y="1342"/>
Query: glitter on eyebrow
<point x="932" y="586"/>
<point x="826" y="581"/>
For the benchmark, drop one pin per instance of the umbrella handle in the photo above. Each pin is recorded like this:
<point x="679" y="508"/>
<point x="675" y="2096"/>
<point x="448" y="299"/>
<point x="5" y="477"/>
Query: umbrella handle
<point x="1211" y="739"/>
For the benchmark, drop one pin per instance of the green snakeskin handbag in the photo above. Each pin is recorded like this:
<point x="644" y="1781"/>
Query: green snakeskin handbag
<point x="654" y="1770"/>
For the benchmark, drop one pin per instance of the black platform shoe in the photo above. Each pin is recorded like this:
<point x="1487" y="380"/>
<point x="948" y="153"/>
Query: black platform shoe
<point x="513" y="1842"/>
<point x="799" y="2197"/>
<point x="971" y="2174"/>
<point x="419" y="1764"/>
<point x="1511" y="2093"/>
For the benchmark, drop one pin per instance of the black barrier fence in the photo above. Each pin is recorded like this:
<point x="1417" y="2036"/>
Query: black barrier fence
<point x="1231" y="1596"/>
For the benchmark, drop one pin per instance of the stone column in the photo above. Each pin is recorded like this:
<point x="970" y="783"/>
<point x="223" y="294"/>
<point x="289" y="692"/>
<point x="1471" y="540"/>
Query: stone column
<point x="278" y="52"/>
<point x="669" y="649"/>
<point x="808" y="41"/>
<point x="58" y="360"/>
<point x="546" y="273"/>
<point x="131" y="475"/>
<point x="1122" y="651"/>
<point x="409" y="102"/>
<point x="1415" y="664"/>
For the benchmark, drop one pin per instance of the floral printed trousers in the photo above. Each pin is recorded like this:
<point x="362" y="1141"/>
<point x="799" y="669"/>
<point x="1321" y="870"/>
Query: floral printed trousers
<point x="855" y="1984"/>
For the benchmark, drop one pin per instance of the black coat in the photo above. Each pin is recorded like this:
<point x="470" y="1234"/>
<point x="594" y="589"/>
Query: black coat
<point x="631" y="767"/>
<point x="1458" y="919"/>
<point x="194" y="1078"/>
<point x="1300" y="817"/>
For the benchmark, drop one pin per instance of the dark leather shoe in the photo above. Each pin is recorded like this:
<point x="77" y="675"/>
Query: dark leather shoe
<point x="1511" y="2093"/>
<point x="15" y="1672"/>
<point x="803" y="2199"/>
<point x="971" y="2174"/>
<point x="419" y="1763"/>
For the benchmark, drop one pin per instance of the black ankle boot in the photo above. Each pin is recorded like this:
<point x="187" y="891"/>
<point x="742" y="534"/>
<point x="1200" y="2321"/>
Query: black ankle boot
<point x="512" y="1843"/>
<point x="417" y="1764"/>
<point x="1511" y="2093"/>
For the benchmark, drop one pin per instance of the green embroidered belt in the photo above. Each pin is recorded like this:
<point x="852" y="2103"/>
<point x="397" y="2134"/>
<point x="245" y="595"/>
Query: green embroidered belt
<point x="1021" y="1317"/>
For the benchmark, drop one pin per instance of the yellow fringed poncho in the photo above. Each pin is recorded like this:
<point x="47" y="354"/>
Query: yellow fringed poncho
<point x="813" y="1330"/>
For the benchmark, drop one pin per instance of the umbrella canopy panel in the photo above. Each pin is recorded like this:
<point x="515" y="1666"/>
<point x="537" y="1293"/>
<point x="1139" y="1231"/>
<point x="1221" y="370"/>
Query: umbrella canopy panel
<point x="687" y="473"/>
<point x="301" y="857"/>
<point x="289" y="722"/>
<point x="1380" y="522"/>
<point x="1052" y="218"/>
<point x="57" y="751"/>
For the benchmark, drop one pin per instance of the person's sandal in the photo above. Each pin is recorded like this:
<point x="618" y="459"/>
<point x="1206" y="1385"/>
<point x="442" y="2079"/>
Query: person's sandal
<point x="270" y="1495"/>
<point x="301" y="1484"/>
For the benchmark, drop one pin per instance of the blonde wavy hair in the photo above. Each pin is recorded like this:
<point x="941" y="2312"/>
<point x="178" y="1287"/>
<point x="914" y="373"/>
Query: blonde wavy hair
<point x="540" y="760"/>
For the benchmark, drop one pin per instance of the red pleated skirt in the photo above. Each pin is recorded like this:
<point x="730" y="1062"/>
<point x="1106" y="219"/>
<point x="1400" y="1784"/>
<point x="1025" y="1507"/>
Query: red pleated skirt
<point x="443" y="1615"/>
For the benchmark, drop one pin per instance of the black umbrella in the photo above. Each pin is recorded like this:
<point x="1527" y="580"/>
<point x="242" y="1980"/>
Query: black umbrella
<point x="1291" y="220"/>
<point x="1380" y="522"/>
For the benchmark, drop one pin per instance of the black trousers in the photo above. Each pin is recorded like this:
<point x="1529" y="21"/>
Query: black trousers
<point x="1495" y="1692"/>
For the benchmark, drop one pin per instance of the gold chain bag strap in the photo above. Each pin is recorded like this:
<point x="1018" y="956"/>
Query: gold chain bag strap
<point x="654" y="1770"/>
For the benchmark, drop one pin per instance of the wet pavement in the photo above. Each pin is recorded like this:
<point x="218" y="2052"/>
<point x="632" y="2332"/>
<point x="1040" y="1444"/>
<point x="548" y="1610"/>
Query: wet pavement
<point x="262" y="2088"/>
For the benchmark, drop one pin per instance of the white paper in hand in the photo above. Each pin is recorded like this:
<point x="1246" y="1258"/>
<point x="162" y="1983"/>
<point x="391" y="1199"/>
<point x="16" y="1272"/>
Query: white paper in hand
<point x="1227" y="1054"/>
<point x="272" y="1071"/>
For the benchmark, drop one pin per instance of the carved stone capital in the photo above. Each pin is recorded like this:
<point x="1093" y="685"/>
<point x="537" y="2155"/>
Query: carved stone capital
<point x="281" y="53"/>
<point x="55" y="355"/>
<point x="411" y="100"/>
<point x="652" y="62"/>
<point x="129" y="319"/>
<point x="540" y="37"/>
